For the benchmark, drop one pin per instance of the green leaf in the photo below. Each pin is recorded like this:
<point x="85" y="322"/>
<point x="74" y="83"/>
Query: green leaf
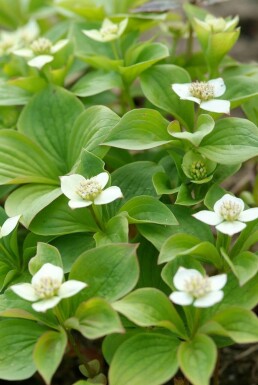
<point x="95" y="318"/>
<point x="30" y="200"/>
<point x="245" y="266"/>
<point x="134" y="179"/>
<point x="241" y="325"/>
<point x="251" y="110"/>
<point x="90" y="165"/>
<point x="110" y="271"/>
<point x="90" y="130"/>
<point x="158" y="234"/>
<point x="139" y="129"/>
<point x="116" y="231"/>
<point x="96" y="82"/>
<point x="232" y="292"/>
<point x="184" y="244"/>
<point x="13" y="96"/>
<point x="233" y="140"/>
<point x="150" y="307"/>
<point x="58" y="219"/>
<point x="112" y="342"/>
<point x="18" y="338"/>
<point x="147" y="209"/>
<point x="170" y="269"/>
<point x="23" y="161"/>
<point x="140" y="57"/>
<point x="204" y="126"/>
<point x="48" y="119"/>
<point x="145" y="359"/>
<point x="48" y="353"/>
<point x="156" y="85"/>
<point x="239" y="89"/>
<point x="45" y="254"/>
<point x="197" y="359"/>
<point x="65" y="245"/>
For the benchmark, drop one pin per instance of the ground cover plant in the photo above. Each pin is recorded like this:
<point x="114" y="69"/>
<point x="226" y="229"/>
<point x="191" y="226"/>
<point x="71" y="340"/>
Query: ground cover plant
<point x="124" y="260"/>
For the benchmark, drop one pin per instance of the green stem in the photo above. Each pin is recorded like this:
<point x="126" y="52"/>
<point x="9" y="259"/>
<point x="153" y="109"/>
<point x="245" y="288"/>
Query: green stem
<point x="189" y="46"/>
<point x="223" y="241"/>
<point x="127" y="96"/>
<point x="196" y="321"/>
<point x="115" y="50"/>
<point x="97" y="215"/>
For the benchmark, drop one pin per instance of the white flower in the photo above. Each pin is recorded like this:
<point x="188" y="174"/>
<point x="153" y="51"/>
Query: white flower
<point x="196" y="289"/>
<point x="41" y="51"/>
<point x="83" y="192"/>
<point x="109" y="31"/>
<point x="47" y="288"/>
<point x="228" y="215"/>
<point x="204" y="93"/>
<point x="217" y="24"/>
<point x="11" y="41"/>
<point x="9" y="225"/>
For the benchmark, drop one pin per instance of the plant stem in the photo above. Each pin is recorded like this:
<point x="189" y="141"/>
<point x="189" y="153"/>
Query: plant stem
<point x="196" y="320"/>
<point x="189" y="46"/>
<point x="97" y="215"/>
<point x="80" y="355"/>
<point x="223" y="241"/>
<point x="216" y="371"/>
<point x="115" y="50"/>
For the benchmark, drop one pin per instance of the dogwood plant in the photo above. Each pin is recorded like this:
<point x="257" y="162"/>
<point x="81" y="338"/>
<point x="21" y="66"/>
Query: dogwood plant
<point x="108" y="31"/>
<point x="9" y="225"/>
<point x="41" y="51"/>
<point x="204" y="93"/>
<point x="196" y="289"/>
<point x="229" y="216"/>
<point x="83" y="192"/>
<point x="46" y="289"/>
<point x="136" y="288"/>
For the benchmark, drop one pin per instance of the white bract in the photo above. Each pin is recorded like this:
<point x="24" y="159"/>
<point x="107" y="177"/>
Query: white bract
<point x="217" y="24"/>
<point x="229" y="215"/>
<point x="46" y="288"/>
<point x="196" y="289"/>
<point x="204" y="93"/>
<point x="41" y="52"/>
<point x="83" y="192"/>
<point x="109" y="31"/>
<point x="9" y="225"/>
<point x="13" y="40"/>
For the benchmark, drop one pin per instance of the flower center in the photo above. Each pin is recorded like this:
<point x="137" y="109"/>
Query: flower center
<point x="111" y="30"/>
<point x="217" y="24"/>
<point x="89" y="189"/>
<point x="202" y="90"/>
<point x="198" y="286"/>
<point x="41" y="46"/>
<point x="198" y="170"/>
<point x="230" y="211"/>
<point x="47" y="287"/>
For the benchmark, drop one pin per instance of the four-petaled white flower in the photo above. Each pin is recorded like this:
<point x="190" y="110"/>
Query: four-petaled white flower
<point x="13" y="40"/>
<point x="83" y="192"/>
<point x="9" y="225"/>
<point x="196" y="289"/>
<point x="217" y="24"/>
<point x="41" y="52"/>
<point x="109" y="31"/>
<point x="46" y="288"/>
<point x="229" y="215"/>
<point x="204" y="93"/>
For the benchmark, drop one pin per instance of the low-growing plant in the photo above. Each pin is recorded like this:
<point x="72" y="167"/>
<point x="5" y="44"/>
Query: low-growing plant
<point x="122" y="252"/>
